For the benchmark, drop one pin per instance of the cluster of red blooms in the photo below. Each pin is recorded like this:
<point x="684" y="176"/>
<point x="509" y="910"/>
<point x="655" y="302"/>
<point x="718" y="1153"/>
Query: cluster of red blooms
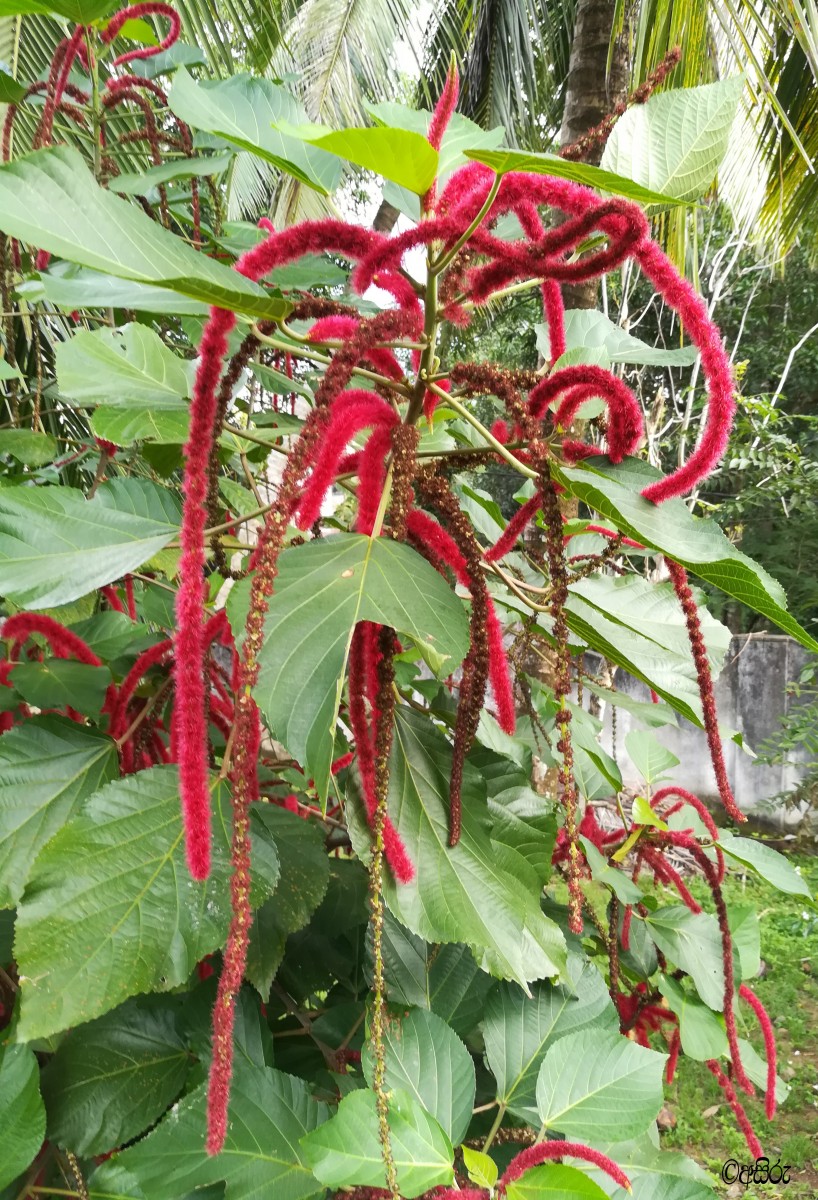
<point x="458" y="229"/>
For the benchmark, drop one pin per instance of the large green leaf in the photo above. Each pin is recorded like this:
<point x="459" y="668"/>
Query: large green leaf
<point x="640" y="626"/>
<point x="347" y="1150"/>
<point x="29" y="448"/>
<point x="766" y="862"/>
<point x="166" y="426"/>
<point x="304" y="875"/>
<point x="112" y="1078"/>
<point x="62" y="683"/>
<point x="71" y="287"/>
<point x="140" y="182"/>
<point x="244" y="110"/>
<point x="426" y="1059"/>
<point x="675" y="143"/>
<point x="503" y="161"/>
<point x="554" y="1181"/>
<point x="593" y="1084"/>
<point x="654" y="1174"/>
<point x="700" y="545"/>
<point x="478" y="892"/>
<point x="48" y="766"/>
<point x="589" y="331"/>
<point x="22" y="1116"/>
<point x="693" y="942"/>
<point x="51" y="200"/>
<point x="81" y="12"/>
<point x="269" y="1114"/>
<point x="651" y="759"/>
<point x="322" y="590"/>
<point x="110" y="910"/>
<point x="56" y="546"/>
<point x="702" y="1031"/>
<point x="120" y="366"/>
<point x="400" y="155"/>
<point x="518" y="1029"/>
<point x="445" y="979"/>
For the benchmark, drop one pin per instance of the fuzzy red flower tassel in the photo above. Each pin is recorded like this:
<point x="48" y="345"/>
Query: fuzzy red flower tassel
<point x="542" y="1152"/>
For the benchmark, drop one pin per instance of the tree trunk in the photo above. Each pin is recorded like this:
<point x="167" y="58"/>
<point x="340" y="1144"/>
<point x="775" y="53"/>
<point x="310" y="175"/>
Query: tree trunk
<point x="590" y="94"/>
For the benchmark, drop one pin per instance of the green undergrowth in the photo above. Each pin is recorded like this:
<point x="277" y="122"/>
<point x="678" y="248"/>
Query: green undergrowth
<point x="788" y="989"/>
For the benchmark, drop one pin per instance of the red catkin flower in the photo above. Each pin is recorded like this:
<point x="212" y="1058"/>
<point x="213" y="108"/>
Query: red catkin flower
<point x="673" y="1057"/>
<point x="678" y="577"/>
<point x="753" y="1144"/>
<point x="542" y="1152"/>
<point x="765" y="1023"/>
<point x="63" y="643"/>
<point x="499" y="676"/>
<point x="515" y="529"/>
<point x="131" y="13"/>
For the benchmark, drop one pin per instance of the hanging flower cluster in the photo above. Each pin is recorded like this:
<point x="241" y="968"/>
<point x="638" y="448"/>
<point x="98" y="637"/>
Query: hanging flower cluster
<point x="370" y="432"/>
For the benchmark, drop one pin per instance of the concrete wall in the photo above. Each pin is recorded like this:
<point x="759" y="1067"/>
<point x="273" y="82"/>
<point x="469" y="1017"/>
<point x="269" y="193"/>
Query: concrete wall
<point x="751" y="696"/>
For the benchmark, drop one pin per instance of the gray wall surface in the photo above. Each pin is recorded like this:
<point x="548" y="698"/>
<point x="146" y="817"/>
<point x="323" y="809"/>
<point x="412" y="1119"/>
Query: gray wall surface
<point x="751" y="698"/>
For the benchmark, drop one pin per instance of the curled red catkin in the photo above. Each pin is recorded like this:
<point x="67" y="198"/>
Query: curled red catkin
<point x="542" y="1152"/>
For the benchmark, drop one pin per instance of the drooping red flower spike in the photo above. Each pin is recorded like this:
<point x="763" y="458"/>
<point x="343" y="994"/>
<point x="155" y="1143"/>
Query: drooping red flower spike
<point x="515" y="529"/>
<point x="753" y="1144"/>
<point x="63" y="642"/>
<point x="678" y="577"/>
<point x="131" y="13"/>
<point x="768" y="1034"/>
<point x="542" y="1152"/>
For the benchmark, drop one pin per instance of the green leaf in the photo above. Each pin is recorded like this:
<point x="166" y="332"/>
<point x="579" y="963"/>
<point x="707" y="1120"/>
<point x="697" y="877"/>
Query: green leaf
<point x="655" y="1174"/>
<point x="653" y="715"/>
<point x="165" y="426"/>
<point x="444" y="979"/>
<point x="114" y="1077"/>
<point x="478" y="892"/>
<point x="746" y="932"/>
<point x="700" y="545"/>
<point x="322" y="590"/>
<point x="347" y="1150"/>
<point x="518" y="1030"/>
<point x="675" y="142"/>
<point x="651" y="759"/>
<point x="111" y="634"/>
<point x="177" y="55"/>
<point x="765" y="861"/>
<point x="404" y="157"/>
<point x="141" y="182"/>
<point x="72" y="287"/>
<point x="269" y="1114"/>
<point x="80" y="12"/>
<point x="693" y="942"/>
<point x="48" y="766"/>
<point x="10" y="90"/>
<point x="554" y="1181"/>
<point x="99" y="230"/>
<point x="304" y="875"/>
<point x="110" y="910"/>
<point x="480" y="1168"/>
<point x="428" y="1061"/>
<point x="593" y="1084"/>
<point x="244" y="110"/>
<point x="29" y="448"/>
<point x="7" y="371"/>
<point x="122" y="366"/>
<point x="22" y="1116"/>
<point x="643" y="814"/>
<point x="756" y="1068"/>
<point x="702" y="1031"/>
<point x="640" y="626"/>
<point x="622" y="886"/>
<point x="590" y="331"/>
<point x="503" y="161"/>
<point x="61" y="683"/>
<point x="56" y="546"/>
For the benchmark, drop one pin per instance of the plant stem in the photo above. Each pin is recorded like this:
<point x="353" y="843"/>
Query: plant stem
<point x="486" y="434"/>
<point x="442" y="263"/>
<point x="492" y="1133"/>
